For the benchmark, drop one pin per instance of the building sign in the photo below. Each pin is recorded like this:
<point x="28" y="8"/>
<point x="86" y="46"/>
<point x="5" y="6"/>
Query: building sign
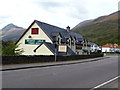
<point x="62" y="48"/>
<point x="34" y="42"/>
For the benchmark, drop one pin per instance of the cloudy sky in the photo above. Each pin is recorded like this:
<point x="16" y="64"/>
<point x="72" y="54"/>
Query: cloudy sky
<point x="56" y="12"/>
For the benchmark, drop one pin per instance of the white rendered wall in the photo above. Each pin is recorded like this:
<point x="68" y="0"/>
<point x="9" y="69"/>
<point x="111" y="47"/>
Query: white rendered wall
<point x="29" y="49"/>
<point x="105" y="49"/>
<point x="43" y="50"/>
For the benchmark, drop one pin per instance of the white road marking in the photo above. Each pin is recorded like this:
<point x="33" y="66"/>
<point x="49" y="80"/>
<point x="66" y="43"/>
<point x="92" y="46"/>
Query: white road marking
<point x="105" y="83"/>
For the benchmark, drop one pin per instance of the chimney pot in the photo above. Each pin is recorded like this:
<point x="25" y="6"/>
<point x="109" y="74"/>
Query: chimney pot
<point x="68" y="28"/>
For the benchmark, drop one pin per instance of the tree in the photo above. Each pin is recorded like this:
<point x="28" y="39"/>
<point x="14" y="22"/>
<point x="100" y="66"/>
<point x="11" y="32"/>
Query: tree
<point x="9" y="48"/>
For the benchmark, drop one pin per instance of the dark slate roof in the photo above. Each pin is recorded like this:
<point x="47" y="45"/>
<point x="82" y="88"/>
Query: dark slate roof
<point x="88" y="44"/>
<point x="49" y="45"/>
<point x="54" y="38"/>
<point x="93" y="44"/>
<point x="55" y="34"/>
<point x="79" y="43"/>
<point x="63" y="40"/>
<point x="80" y="39"/>
<point x="75" y="35"/>
<point x="52" y="49"/>
<point x="51" y="31"/>
<point x="69" y="51"/>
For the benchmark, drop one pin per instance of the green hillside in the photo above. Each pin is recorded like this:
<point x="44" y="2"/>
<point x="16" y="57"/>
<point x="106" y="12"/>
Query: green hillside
<point x="101" y="30"/>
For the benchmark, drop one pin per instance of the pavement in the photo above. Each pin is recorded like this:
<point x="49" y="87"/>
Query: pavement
<point x="38" y="65"/>
<point x="77" y="75"/>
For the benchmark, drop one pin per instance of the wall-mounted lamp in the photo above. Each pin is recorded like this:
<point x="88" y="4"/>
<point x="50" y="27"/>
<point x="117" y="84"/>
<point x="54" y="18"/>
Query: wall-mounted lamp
<point x="29" y="36"/>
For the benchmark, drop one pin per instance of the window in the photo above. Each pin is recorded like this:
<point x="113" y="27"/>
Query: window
<point x="34" y="31"/>
<point x="78" y="47"/>
<point x="69" y="42"/>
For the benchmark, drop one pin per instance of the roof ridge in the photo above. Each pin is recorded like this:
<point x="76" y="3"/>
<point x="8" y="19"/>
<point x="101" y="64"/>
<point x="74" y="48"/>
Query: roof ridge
<point x="50" y="24"/>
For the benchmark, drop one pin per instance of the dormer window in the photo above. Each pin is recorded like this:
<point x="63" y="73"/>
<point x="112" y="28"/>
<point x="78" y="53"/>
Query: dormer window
<point x="34" y="31"/>
<point x="59" y="40"/>
<point x="72" y="41"/>
<point x="67" y="40"/>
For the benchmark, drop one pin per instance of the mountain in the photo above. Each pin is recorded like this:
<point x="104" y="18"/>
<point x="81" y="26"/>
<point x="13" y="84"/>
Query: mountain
<point x="9" y="26"/>
<point x="82" y="24"/>
<point x="101" y="30"/>
<point x="11" y="32"/>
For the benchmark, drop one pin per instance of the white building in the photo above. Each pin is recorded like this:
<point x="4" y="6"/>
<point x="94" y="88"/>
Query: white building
<point x="110" y="48"/>
<point x="117" y="48"/>
<point x="45" y="39"/>
<point x="95" y="47"/>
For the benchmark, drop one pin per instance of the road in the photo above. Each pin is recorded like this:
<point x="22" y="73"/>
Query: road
<point x="112" y="84"/>
<point x="81" y="75"/>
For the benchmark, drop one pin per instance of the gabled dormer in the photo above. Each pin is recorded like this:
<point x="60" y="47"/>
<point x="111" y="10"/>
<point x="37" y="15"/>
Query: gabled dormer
<point x="57" y="38"/>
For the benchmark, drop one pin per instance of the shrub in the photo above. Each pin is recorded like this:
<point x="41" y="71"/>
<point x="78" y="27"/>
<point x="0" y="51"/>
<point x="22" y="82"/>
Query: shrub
<point x="9" y="48"/>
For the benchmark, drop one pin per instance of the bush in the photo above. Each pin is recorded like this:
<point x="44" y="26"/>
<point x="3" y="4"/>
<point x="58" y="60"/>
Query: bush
<point x="9" y="48"/>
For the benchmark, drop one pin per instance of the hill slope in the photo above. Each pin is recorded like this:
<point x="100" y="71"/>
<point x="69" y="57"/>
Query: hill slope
<point x="101" y="30"/>
<point x="11" y="32"/>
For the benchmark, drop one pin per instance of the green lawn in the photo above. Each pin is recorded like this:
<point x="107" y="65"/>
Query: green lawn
<point x="108" y="54"/>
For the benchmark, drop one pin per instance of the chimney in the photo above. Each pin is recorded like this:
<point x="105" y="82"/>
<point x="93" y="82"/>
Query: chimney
<point x="68" y="28"/>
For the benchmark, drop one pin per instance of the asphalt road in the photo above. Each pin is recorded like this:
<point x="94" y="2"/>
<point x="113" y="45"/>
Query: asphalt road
<point x="81" y="75"/>
<point x="112" y="84"/>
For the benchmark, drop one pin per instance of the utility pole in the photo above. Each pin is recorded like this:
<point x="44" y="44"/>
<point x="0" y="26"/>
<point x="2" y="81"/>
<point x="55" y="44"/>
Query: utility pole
<point x="55" y="52"/>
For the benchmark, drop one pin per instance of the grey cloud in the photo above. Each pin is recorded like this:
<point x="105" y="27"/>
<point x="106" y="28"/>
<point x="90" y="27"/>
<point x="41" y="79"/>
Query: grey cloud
<point x="78" y="13"/>
<point x="51" y="4"/>
<point x="4" y="17"/>
<point x="74" y="9"/>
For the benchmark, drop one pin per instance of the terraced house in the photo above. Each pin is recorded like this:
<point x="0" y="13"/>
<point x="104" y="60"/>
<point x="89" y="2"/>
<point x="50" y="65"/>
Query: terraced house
<point x="44" y="39"/>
